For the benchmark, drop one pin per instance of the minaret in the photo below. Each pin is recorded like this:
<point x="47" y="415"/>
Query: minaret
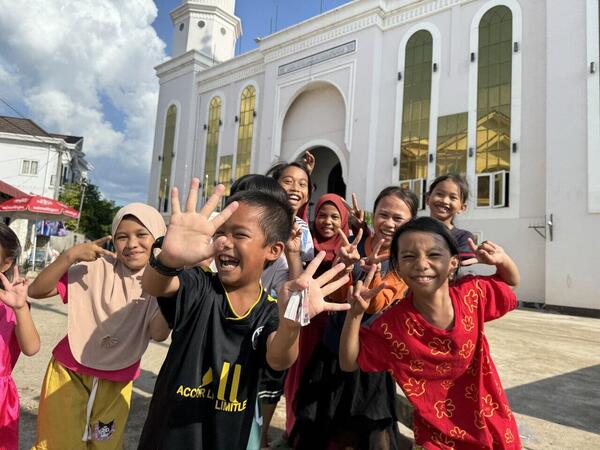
<point x="207" y="26"/>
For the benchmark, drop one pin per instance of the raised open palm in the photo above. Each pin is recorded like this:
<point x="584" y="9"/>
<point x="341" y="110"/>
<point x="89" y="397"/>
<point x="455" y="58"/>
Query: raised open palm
<point x="14" y="294"/>
<point x="318" y="288"/>
<point x="189" y="237"/>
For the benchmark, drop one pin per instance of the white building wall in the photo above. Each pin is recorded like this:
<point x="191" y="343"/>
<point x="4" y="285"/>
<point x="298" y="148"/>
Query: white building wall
<point x="14" y="151"/>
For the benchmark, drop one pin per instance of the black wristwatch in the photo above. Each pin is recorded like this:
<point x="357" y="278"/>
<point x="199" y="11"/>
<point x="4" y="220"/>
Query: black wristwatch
<point x="157" y="265"/>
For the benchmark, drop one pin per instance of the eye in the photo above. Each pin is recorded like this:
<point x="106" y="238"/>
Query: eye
<point x="241" y="235"/>
<point x="219" y="233"/>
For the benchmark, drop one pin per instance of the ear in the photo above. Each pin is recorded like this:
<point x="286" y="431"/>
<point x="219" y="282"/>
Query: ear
<point x="427" y="197"/>
<point x="453" y="267"/>
<point x="274" y="251"/>
<point x="6" y="265"/>
<point x="463" y="208"/>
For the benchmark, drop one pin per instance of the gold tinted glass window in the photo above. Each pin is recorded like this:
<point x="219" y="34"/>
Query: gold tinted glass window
<point x="212" y="145"/>
<point x="415" y="112"/>
<point x="245" y="131"/>
<point x="225" y="172"/>
<point x="451" y="153"/>
<point x="494" y="90"/>
<point x="167" y="159"/>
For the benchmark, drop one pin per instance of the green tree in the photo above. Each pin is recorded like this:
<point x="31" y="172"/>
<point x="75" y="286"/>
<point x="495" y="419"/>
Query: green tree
<point x="97" y="212"/>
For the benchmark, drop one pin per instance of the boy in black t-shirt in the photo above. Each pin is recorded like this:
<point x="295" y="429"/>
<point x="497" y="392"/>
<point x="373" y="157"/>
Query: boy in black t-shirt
<point x="225" y="327"/>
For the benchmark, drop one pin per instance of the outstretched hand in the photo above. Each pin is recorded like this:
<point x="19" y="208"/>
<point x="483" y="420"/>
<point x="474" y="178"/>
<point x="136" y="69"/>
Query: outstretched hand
<point x="14" y="294"/>
<point x="91" y="251"/>
<point x="361" y="294"/>
<point x="488" y="253"/>
<point x="318" y="288"/>
<point x="189" y="237"/>
<point x="348" y="254"/>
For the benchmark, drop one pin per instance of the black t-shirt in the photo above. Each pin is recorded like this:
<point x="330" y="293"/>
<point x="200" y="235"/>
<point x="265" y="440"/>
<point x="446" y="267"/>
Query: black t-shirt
<point x="206" y="389"/>
<point x="461" y="236"/>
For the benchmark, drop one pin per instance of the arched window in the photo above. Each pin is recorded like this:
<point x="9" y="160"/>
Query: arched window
<point x="245" y="131"/>
<point x="225" y="172"/>
<point x="415" y="111"/>
<point x="212" y="145"/>
<point x="494" y="79"/>
<point x="167" y="159"/>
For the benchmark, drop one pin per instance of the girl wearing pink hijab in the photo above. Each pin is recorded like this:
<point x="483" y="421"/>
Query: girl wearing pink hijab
<point x="86" y="392"/>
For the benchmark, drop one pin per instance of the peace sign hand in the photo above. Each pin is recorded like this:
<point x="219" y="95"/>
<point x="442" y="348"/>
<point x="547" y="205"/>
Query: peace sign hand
<point x="90" y="251"/>
<point x="360" y="295"/>
<point x="374" y="259"/>
<point x="348" y="254"/>
<point x="488" y="253"/>
<point x="14" y="294"/>
<point x="189" y="237"/>
<point x="294" y="243"/>
<point x="357" y="214"/>
<point x="318" y="288"/>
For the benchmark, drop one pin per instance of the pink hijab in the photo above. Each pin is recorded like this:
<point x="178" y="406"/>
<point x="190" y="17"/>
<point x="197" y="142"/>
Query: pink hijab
<point x="332" y="244"/>
<point x="109" y="314"/>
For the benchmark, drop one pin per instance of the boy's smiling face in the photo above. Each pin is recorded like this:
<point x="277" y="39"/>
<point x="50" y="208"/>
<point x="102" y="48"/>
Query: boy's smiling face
<point x="242" y="260"/>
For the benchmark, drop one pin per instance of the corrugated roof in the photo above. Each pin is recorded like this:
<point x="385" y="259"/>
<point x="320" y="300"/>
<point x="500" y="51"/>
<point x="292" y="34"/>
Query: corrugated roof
<point x="16" y="125"/>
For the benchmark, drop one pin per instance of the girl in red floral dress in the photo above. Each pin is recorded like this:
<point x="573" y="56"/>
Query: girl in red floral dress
<point x="433" y="342"/>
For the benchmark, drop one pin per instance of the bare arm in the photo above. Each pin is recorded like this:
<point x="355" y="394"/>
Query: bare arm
<point x="359" y="296"/>
<point x="282" y="345"/>
<point x="159" y="285"/>
<point x="14" y="295"/>
<point x="44" y="285"/>
<point x="159" y="328"/>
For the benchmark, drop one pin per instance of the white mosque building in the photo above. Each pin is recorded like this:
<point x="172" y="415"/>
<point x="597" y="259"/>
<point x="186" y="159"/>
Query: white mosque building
<point x="386" y="92"/>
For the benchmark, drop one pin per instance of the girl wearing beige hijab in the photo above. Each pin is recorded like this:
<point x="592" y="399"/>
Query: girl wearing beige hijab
<point x="86" y="392"/>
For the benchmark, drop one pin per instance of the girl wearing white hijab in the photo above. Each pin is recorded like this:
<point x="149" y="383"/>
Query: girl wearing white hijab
<point x="86" y="392"/>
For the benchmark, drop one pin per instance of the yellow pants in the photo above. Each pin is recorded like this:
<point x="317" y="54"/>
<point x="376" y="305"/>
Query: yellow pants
<point x="81" y="412"/>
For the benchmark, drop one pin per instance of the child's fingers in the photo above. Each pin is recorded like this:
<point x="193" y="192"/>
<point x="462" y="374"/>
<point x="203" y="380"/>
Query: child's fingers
<point x="472" y="245"/>
<point x="175" y="206"/>
<point x="334" y="286"/>
<point x="103" y="240"/>
<point x="224" y="215"/>
<point x="368" y="295"/>
<point x="103" y="252"/>
<point x="213" y="201"/>
<point x="314" y="264"/>
<point x="357" y="238"/>
<point x="192" y="198"/>
<point x="377" y="248"/>
<point x="16" y="275"/>
<point x="355" y="204"/>
<point x="344" y="237"/>
<point x="370" y="275"/>
<point x="330" y="274"/>
<point x="5" y="282"/>
<point x="335" y="307"/>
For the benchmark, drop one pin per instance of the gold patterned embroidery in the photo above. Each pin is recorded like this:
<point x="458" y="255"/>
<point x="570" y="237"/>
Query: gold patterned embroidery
<point x="479" y="420"/>
<point x="414" y="387"/>
<point x="467" y="349"/>
<point x="413" y="327"/>
<point x="471" y="392"/>
<point x="442" y="440"/>
<point x="416" y="365"/>
<point x="447" y="384"/>
<point x="443" y="368"/>
<point x="508" y="436"/>
<point x="489" y="406"/>
<point x="440" y="346"/>
<point x="457" y="432"/>
<point x="444" y="408"/>
<point x="468" y="323"/>
<point x="471" y="299"/>
<point x="401" y="350"/>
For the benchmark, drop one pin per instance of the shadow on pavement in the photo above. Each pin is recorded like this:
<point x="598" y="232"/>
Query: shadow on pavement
<point x="570" y="399"/>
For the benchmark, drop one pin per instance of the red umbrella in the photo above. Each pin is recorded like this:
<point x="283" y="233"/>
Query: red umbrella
<point x="36" y="207"/>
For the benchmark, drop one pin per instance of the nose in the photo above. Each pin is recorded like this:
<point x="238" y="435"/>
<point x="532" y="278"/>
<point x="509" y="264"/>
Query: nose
<point x="132" y="242"/>
<point x="422" y="263"/>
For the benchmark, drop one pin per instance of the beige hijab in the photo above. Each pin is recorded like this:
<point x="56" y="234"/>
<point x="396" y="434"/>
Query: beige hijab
<point x="109" y="315"/>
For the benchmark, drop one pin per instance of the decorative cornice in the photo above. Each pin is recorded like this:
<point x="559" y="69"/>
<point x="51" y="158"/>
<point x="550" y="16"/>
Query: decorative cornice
<point x="403" y="15"/>
<point x="242" y="73"/>
<point x="191" y="60"/>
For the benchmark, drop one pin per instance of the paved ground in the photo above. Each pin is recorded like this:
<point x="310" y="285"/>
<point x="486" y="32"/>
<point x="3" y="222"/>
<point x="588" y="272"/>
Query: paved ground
<point x="549" y="365"/>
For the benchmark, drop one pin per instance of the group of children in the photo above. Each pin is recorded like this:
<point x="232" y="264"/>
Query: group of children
<point x="386" y="305"/>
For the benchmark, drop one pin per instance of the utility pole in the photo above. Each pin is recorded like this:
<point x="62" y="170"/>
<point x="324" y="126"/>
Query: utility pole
<point x="83" y="186"/>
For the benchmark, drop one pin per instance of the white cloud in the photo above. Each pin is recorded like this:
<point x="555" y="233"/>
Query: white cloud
<point x="64" y="58"/>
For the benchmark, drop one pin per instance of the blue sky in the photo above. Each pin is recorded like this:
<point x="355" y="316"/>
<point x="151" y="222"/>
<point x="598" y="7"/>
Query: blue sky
<point x="86" y="68"/>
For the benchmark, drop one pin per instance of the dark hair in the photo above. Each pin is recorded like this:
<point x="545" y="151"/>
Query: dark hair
<point x="406" y="195"/>
<point x="10" y="248"/>
<point x="459" y="180"/>
<point x="423" y="224"/>
<point x="261" y="183"/>
<point x="276" y="216"/>
<point x="277" y="171"/>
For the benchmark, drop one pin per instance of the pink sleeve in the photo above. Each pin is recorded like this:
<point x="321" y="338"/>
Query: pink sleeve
<point x="373" y="355"/>
<point x="63" y="287"/>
